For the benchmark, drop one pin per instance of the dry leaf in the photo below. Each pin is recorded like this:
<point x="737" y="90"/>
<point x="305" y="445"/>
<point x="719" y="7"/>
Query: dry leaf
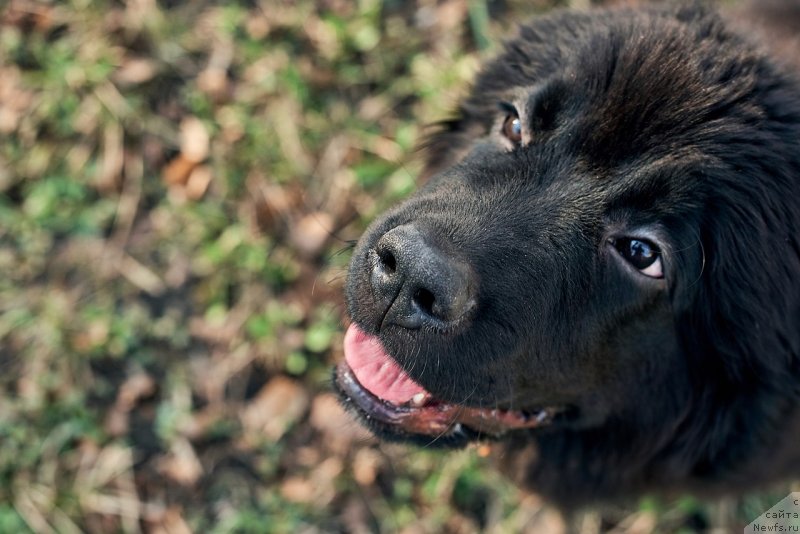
<point x="116" y="422"/>
<point x="110" y="173"/>
<point x="134" y="388"/>
<point x="94" y="335"/>
<point x="194" y="140"/>
<point x="365" y="466"/>
<point x="274" y="204"/>
<point x="182" y="464"/>
<point x="213" y="82"/>
<point x="257" y="26"/>
<point x="171" y="521"/>
<point x="279" y="404"/>
<point x="198" y="182"/>
<point x="178" y="170"/>
<point x="319" y="487"/>
<point x="356" y="517"/>
<point x="28" y="15"/>
<point x="324" y="479"/>
<point x="311" y="233"/>
<point x="296" y="489"/>
<point x="135" y="71"/>
<point x="337" y="426"/>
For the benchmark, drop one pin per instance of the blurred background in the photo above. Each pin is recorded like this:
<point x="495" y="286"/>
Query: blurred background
<point x="180" y="185"/>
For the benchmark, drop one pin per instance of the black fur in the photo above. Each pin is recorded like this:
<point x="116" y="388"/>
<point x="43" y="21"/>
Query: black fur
<point x="659" y="121"/>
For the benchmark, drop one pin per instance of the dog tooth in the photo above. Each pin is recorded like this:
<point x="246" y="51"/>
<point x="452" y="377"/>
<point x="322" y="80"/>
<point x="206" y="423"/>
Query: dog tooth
<point x="419" y="399"/>
<point x="541" y="416"/>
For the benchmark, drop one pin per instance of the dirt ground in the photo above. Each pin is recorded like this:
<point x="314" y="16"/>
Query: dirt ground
<point x="180" y="187"/>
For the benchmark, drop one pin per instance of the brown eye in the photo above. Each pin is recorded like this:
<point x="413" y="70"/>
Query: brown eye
<point x="512" y="129"/>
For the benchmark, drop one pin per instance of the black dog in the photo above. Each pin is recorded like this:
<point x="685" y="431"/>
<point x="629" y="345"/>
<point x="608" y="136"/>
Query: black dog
<point x="604" y="270"/>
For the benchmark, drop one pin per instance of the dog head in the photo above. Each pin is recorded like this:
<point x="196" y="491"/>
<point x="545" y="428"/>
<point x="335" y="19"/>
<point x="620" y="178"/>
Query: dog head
<point x="606" y="242"/>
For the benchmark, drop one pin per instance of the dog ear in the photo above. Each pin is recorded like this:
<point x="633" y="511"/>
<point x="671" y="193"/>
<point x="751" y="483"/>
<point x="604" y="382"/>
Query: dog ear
<point x="744" y="317"/>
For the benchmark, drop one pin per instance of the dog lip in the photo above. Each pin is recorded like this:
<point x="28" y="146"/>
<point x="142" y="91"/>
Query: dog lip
<point x="432" y="417"/>
<point x="410" y="419"/>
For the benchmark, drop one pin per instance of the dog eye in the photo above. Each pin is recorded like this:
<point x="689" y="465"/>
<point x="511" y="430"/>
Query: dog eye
<point x="512" y="129"/>
<point x="642" y="254"/>
<point x="512" y="126"/>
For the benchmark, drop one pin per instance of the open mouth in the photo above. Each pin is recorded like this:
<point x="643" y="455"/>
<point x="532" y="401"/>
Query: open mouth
<point x="378" y="388"/>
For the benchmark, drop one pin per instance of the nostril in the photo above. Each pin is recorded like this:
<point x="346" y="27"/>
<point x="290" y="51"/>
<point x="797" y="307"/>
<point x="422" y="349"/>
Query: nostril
<point x="424" y="299"/>
<point x="415" y="283"/>
<point x="388" y="261"/>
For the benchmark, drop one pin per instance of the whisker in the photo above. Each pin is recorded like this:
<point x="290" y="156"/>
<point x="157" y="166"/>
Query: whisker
<point x="453" y="420"/>
<point x="350" y="244"/>
<point x="699" y="242"/>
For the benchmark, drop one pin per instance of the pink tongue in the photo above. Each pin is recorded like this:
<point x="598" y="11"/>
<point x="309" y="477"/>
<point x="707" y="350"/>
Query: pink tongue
<point x="375" y="370"/>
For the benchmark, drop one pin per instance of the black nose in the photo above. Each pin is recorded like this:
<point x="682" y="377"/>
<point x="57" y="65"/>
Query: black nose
<point x="415" y="283"/>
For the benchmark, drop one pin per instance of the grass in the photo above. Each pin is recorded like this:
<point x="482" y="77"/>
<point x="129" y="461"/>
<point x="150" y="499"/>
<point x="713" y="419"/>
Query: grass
<point x="179" y="184"/>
